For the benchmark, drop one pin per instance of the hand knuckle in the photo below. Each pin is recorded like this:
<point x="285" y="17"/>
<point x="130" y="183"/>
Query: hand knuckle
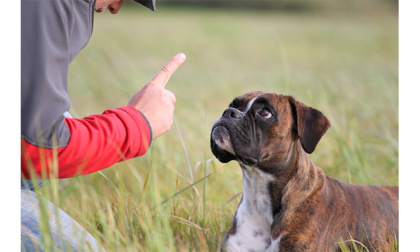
<point x="165" y="69"/>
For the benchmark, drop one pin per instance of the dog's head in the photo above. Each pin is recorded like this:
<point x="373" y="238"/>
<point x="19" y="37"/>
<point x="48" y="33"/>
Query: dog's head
<point x="261" y="128"/>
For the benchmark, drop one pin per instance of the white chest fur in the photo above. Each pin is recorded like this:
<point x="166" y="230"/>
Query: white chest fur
<point x="254" y="215"/>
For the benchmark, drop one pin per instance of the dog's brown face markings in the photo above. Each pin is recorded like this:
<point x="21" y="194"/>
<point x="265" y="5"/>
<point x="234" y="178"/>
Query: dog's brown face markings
<point x="266" y="120"/>
<point x="271" y="135"/>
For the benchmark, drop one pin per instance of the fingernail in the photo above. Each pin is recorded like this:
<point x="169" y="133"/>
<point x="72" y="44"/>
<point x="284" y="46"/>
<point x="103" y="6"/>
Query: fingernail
<point x="181" y="56"/>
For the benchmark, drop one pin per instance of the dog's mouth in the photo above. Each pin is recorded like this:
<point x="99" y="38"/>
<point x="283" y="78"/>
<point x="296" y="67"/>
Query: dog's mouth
<point x="226" y="147"/>
<point x="221" y="137"/>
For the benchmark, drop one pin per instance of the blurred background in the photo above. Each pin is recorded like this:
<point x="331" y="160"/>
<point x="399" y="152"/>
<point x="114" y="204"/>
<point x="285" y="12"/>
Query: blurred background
<point x="340" y="57"/>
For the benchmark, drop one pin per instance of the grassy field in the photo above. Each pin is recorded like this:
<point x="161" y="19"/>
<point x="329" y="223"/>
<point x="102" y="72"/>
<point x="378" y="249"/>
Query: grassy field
<point x="178" y="197"/>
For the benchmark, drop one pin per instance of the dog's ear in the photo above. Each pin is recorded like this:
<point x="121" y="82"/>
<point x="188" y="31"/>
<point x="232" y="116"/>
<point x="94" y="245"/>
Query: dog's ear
<point x="310" y="123"/>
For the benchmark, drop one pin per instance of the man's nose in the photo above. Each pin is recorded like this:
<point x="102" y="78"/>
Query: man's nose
<point x="115" y="7"/>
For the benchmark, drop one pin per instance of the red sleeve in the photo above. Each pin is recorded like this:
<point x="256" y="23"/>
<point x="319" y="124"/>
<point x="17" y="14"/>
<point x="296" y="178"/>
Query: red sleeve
<point x="96" y="142"/>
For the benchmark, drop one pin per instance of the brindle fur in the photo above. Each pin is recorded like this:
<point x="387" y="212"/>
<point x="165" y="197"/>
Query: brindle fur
<point x="312" y="211"/>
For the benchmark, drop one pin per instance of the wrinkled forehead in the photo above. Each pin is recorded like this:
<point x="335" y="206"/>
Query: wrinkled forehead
<point x="242" y="102"/>
<point x="245" y="102"/>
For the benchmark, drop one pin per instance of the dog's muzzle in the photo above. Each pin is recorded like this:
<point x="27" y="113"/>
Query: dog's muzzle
<point x="221" y="137"/>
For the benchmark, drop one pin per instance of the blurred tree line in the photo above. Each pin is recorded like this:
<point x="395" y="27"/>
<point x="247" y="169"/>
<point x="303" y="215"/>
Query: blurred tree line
<point x="285" y="5"/>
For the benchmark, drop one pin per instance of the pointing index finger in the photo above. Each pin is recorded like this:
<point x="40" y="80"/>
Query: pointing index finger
<point x="166" y="72"/>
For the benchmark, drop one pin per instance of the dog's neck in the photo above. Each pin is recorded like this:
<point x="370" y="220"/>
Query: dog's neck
<point x="304" y="177"/>
<point x="253" y="218"/>
<point x="256" y="195"/>
<point x="296" y="172"/>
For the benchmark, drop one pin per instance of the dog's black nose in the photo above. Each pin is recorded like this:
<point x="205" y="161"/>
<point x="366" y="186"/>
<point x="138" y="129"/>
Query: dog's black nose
<point x="233" y="113"/>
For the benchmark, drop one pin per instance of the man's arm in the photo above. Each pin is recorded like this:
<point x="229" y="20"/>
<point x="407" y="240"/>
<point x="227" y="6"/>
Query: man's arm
<point x="99" y="141"/>
<point x="96" y="142"/>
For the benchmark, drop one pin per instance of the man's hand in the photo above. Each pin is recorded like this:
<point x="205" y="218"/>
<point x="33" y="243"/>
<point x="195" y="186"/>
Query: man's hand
<point x="155" y="102"/>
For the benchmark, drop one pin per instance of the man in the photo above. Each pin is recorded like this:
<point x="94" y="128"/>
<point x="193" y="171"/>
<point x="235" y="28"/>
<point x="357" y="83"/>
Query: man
<point x="52" y="145"/>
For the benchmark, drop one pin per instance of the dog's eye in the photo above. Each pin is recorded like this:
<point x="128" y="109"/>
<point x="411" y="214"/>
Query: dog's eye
<point x="265" y="113"/>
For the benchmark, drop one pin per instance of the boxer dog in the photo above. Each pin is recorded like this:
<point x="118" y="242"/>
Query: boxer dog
<point x="288" y="203"/>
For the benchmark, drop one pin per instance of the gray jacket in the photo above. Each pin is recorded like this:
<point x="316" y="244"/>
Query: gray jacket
<point x="52" y="33"/>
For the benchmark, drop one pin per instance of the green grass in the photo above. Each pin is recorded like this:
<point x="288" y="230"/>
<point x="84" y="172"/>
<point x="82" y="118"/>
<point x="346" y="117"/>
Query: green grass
<point x="178" y="197"/>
